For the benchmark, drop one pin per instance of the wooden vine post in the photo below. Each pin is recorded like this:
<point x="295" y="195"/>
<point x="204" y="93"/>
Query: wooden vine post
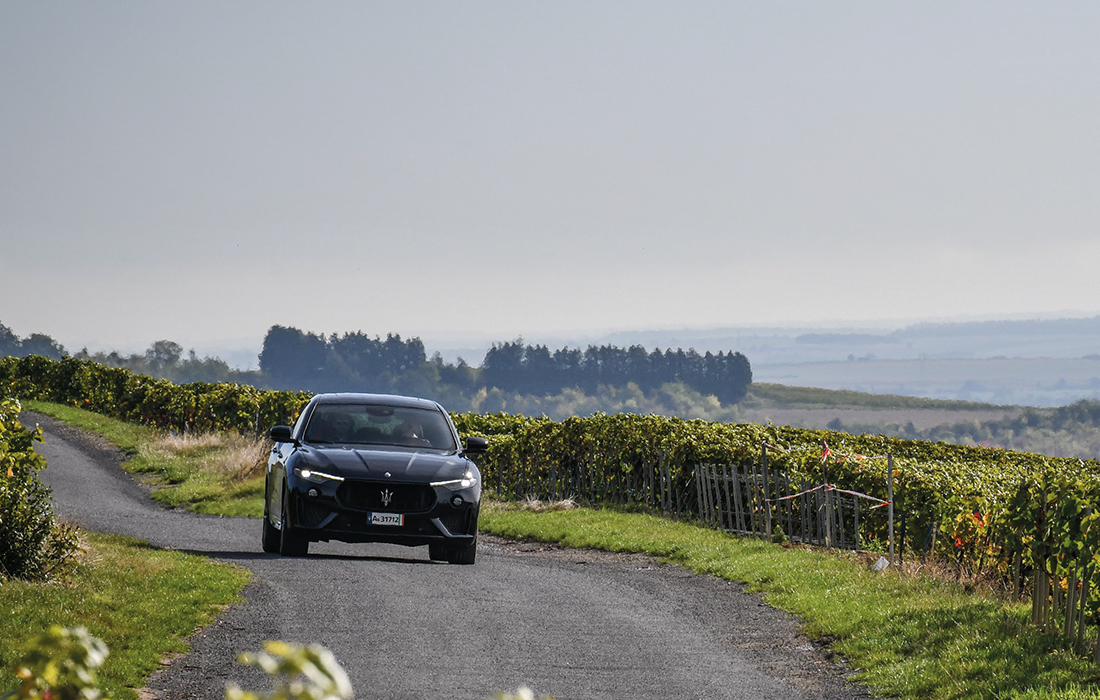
<point x="890" y="498"/>
<point x="767" y="492"/>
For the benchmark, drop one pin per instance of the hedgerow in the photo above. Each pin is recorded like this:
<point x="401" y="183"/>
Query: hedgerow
<point x="120" y="393"/>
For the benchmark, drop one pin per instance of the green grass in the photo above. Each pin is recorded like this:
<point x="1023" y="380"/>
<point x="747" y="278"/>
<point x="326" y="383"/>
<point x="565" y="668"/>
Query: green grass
<point x="218" y="478"/>
<point x="143" y="602"/>
<point x="764" y="395"/>
<point x="911" y="637"/>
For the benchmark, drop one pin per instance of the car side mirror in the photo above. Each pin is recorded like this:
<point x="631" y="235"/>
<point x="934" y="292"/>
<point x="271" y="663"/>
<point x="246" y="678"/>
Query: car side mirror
<point x="476" y="445"/>
<point x="281" y="433"/>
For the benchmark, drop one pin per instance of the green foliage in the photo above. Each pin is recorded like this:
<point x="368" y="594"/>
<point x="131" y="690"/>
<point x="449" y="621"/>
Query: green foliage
<point x="298" y="672"/>
<point x="32" y="544"/>
<point x="143" y="602"/>
<point x="60" y="665"/>
<point x="120" y="393"/>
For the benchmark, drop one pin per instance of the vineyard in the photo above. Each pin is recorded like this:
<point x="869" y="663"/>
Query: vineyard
<point x="1027" y="522"/>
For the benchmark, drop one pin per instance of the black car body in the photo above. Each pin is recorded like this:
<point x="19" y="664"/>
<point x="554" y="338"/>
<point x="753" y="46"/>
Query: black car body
<point x="373" y="468"/>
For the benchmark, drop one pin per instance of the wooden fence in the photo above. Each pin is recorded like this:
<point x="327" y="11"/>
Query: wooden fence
<point x="758" y="501"/>
<point x="750" y="498"/>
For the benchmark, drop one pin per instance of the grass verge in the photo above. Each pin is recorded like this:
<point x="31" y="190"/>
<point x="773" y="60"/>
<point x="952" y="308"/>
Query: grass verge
<point x="142" y="601"/>
<point x="910" y="637"/>
<point x="219" y="474"/>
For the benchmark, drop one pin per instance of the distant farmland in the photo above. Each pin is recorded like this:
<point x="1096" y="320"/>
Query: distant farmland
<point x="1002" y="381"/>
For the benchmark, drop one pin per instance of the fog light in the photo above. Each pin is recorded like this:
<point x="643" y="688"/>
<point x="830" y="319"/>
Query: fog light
<point x="456" y="501"/>
<point x="313" y="493"/>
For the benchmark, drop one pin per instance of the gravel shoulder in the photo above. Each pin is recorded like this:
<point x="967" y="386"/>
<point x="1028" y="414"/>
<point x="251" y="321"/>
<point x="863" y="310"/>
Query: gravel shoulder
<point x="568" y="623"/>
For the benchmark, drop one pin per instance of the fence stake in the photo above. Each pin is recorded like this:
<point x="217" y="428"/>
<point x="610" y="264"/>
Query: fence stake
<point x="708" y="486"/>
<point x="752" y="497"/>
<point x="857" y="524"/>
<point x="737" y="509"/>
<point x="803" y="510"/>
<point x="890" y="497"/>
<point x="767" y="491"/>
<point x="732" y="526"/>
<point x="699" y="490"/>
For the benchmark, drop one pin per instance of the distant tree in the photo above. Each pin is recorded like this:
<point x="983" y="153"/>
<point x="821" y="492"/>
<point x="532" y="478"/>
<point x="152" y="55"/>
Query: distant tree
<point x="40" y="344"/>
<point x="503" y="365"/>
<point x="291" y="359"/>
<point x="162" y="355"/>
<point x="9" y="342"/>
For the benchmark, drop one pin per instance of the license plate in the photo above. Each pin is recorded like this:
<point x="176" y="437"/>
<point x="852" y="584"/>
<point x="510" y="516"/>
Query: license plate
<point x="397" y="519"/>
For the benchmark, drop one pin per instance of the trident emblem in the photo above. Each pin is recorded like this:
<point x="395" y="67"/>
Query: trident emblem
<point x="387" y="496"/>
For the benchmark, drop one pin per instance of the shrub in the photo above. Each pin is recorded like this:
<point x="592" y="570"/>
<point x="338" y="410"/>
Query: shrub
<point x="33" y="545"/>
<point x="60" y="665"/>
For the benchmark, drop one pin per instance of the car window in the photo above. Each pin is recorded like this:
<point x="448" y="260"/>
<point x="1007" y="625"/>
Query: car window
<point x="370" y="424"/>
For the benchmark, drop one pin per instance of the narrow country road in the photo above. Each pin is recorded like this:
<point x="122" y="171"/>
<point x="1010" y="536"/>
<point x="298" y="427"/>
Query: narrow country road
<point x="573" y="624"/>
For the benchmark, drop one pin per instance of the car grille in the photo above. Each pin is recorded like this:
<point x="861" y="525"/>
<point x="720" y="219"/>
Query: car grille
<point x="403" y="498"/>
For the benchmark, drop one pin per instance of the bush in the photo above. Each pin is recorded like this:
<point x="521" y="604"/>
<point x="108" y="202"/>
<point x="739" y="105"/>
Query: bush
<point x="33" y="545"/>
<point x="60" y="665"/>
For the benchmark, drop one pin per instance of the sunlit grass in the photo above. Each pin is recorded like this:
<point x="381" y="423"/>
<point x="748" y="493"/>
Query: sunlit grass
<point x="142" y="601"/>
<point x="216" y="473"/>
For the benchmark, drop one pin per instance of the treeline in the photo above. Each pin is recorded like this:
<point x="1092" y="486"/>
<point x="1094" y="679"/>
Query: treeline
<point x="515" y="366"/>
<point x="12" y="345"/>
<point x="165" y="360"/>
<point x="291" y="359"/>
<point x="513" y="376"/>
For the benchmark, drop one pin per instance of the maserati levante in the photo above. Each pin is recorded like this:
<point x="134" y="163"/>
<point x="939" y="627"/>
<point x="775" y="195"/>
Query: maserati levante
<point x="373" y="468"/>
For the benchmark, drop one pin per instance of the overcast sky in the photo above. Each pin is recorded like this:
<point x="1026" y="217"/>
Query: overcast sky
<point x="200" y="171"/>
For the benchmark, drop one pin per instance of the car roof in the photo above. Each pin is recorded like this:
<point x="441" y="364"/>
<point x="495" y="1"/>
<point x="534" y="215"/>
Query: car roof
<point x="375" y="400"/>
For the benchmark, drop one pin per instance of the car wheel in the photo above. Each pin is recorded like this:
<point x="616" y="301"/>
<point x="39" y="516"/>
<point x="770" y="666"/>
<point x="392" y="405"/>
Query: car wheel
<point x="291" y="544"/>
<point x="437" y="551"/>
<point x="463" y="553"/>
<point x="270" y="537"/>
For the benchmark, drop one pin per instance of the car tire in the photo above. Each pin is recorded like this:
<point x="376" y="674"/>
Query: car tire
<point x="269" y="540"/>
<point x="437" y="551"/>
<point x="464" y="553"/>
<point x="291" y="544"/>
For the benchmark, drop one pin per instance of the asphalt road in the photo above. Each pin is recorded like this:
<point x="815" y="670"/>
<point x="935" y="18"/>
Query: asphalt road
<point x="568" y="623"/>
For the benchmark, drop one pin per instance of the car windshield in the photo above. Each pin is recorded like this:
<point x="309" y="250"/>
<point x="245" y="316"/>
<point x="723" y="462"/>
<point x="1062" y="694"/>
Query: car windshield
<point x="369" y="424"/>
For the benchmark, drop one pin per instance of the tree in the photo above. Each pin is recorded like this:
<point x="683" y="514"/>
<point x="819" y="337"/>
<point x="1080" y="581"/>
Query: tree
<point x="40" y="344"/>
<point x="9" y="342"/>
<point x="162" y="355"/>
<point x="292" y="359"/>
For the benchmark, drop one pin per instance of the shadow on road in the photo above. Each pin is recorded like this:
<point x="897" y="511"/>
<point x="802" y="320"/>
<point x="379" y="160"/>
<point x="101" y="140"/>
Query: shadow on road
<point x="254" y="556"/>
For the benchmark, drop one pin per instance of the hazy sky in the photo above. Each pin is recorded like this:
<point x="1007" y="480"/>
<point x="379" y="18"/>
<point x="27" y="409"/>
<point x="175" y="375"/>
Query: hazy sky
<point x="201" y="171"/>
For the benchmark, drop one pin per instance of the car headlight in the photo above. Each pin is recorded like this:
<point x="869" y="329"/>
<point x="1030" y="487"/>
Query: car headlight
<point x="467" y="480"/>
<point x="316" y="476"/>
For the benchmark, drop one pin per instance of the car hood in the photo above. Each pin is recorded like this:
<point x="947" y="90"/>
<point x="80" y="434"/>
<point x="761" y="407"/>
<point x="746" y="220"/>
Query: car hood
<point x="400" y="465"/>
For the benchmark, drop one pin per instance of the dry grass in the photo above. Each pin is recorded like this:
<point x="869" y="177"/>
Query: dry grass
<point x="236" y="456"/>
<point x="536" y="506"/>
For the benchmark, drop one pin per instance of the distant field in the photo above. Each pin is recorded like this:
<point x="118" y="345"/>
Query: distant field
<point x="922" y="418"/>
<point x="763" y="395"/>
<point x="1000" y="381"/>
<point x="808" y="407"/>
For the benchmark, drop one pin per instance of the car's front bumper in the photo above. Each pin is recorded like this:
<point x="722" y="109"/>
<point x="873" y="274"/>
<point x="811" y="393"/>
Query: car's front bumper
<point x="340" y="511"/>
